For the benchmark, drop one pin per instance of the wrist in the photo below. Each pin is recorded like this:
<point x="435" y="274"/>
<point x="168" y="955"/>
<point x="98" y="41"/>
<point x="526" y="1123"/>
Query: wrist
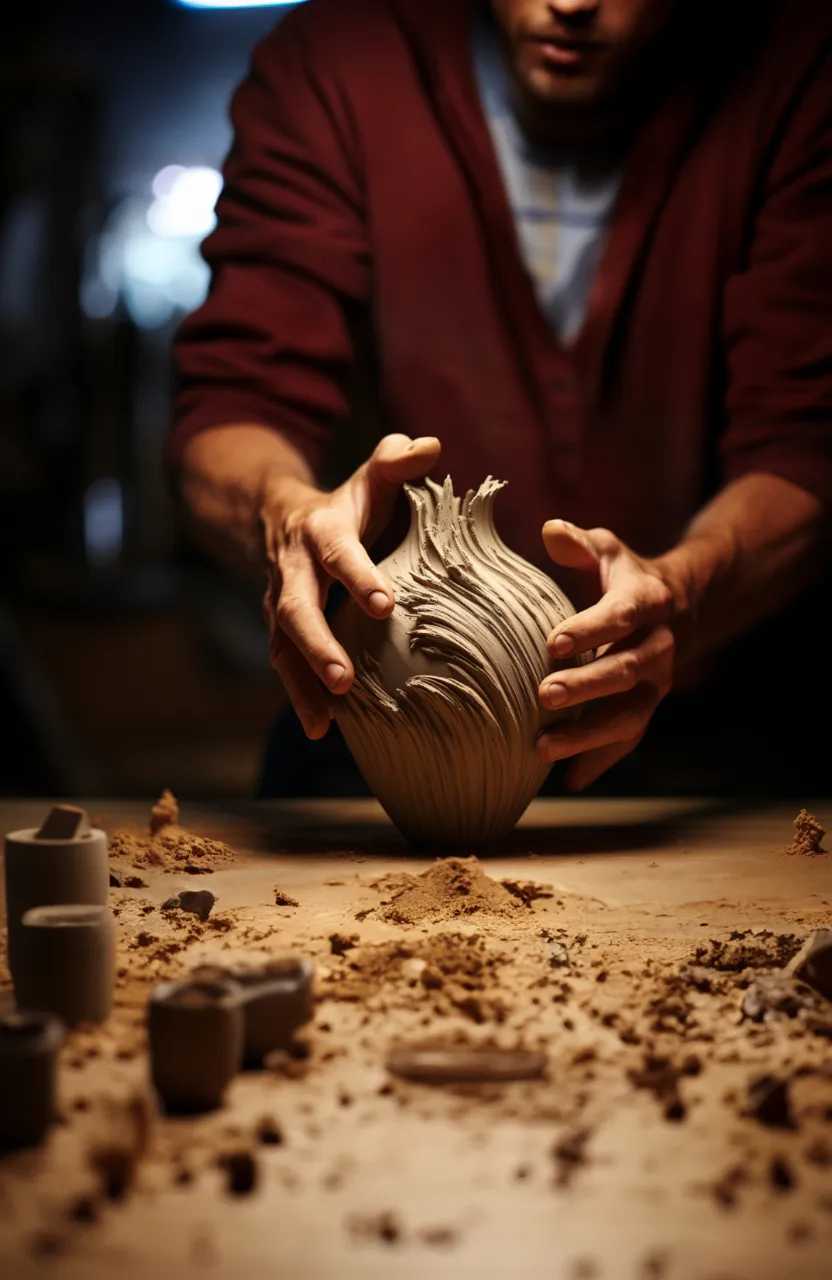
<point x="691" y="571"/>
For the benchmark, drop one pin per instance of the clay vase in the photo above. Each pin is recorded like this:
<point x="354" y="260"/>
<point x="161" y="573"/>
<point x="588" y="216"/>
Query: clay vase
<point x="29" y="1044"/>
<point x="444" y="712"/>
<point x="66" y="962"/>
<point x="46" y="872"/>
<point x="276" y="1000"/>
<point x="196" y="1043"/>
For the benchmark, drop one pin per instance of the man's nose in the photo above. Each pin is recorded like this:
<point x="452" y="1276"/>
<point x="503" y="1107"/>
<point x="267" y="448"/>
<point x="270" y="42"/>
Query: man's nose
<point x="573" y="9"/>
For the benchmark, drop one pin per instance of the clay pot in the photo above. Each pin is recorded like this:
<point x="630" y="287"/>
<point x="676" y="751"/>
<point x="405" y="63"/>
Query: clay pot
<point x="196" y="1042"/>
<point x="444" y="712"/>
<point x="276" y="1001"/>
<point x="66" y="962"/>
<point x="29" y="1044"/>
<point x="47" y="872"/>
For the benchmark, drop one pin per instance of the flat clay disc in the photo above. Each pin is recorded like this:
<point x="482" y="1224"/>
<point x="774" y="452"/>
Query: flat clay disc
<point x="465" y="1066"/>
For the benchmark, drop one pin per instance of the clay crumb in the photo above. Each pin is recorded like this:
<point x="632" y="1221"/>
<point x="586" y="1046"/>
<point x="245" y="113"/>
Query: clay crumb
<point x="269" y="1133"/>
<point x="808" y="834"/>
<point x="527" y="890"/>
<point x="241" y="1172"/>
<point x="439" y="1237"/>
<point x="164" y="813"/>
<point x="384" y="1227"/>
<point x="340" y="943"/>
<point x="769" y="1102"/>
<point x="569" y="1155"/>
<point x="282" y="899"/>
<point x="134" y="882"/>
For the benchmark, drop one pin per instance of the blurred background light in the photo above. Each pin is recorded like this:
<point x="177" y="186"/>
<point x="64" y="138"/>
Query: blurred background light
<point x="233" y="4"/>
<point x="103" y="522"/>
<point x="147" y="255"/>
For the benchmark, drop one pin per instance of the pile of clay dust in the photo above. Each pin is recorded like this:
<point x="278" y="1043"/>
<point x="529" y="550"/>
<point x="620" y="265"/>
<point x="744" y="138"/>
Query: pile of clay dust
<point x="169" y="846"/>
<point x="453" y="888"/>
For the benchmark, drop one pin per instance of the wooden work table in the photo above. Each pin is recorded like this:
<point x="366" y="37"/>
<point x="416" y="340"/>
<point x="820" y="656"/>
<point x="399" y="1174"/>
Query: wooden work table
<point x="414" y="1181"/>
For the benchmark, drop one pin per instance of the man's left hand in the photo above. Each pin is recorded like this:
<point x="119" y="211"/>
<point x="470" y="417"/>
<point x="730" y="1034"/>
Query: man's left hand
<point x="629" y="630"/>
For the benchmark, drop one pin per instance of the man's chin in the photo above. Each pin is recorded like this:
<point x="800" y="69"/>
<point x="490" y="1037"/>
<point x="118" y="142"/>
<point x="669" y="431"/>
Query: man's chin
<point x="570" y="92"/>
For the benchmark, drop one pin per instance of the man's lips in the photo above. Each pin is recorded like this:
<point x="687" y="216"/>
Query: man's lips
<point x="558" y="51"/>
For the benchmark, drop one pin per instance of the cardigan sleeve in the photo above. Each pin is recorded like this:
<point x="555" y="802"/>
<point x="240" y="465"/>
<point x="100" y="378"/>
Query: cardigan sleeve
<point x="778" y="308"/>
<point x="289" y="258"/>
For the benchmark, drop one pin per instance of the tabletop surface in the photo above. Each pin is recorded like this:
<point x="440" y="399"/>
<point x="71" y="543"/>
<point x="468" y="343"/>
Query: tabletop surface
<point x="627" y="961"/>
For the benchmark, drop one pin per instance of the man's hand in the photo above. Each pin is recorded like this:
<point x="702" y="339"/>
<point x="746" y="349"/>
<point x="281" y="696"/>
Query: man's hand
<point x="629" y="630"/>
<point x="313" y="539"/>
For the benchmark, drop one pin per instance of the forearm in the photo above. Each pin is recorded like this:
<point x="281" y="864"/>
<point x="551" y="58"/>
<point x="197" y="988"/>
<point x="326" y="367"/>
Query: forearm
<point x="230" y="475"/>
<point x="750" y="551"/>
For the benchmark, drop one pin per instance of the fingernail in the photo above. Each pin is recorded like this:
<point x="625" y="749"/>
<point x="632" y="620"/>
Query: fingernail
<point x="562" y="646"/>
<point x="333" y="674"/>
<point x="378" y="602"/>
<point x="554" y="695"/>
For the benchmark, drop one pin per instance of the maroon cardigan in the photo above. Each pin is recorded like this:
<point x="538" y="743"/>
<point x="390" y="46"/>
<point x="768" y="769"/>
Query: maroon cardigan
<point x="364" y="222"/>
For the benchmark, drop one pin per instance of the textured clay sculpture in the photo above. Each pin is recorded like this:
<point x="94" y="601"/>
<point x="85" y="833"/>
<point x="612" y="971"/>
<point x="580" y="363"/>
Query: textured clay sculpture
<point x="276" y="1001"/>
<point x="66" y="962"/>
<point x="29" y="1044"/>
<point x="65" y="861"/>
<point x="444" y="713"/>
<point x="196" y="1042"/>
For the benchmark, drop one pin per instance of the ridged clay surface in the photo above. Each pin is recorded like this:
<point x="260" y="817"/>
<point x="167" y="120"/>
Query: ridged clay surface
<point x="444" y="712"/>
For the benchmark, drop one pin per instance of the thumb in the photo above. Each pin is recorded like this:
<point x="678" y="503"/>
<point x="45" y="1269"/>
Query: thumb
<point x="395" y="460"/>
<point x="570" y="546"/>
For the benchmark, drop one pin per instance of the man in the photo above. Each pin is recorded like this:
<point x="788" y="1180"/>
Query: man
<point x="587" y="246"/>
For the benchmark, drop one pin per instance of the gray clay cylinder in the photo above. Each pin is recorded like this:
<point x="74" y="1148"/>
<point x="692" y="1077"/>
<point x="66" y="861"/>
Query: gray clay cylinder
<point x="66" y="962"/>
<point x="196" y="1042"/>
<point x="29" y="1044"/>
<point x="45" y="872"/>
<point x="277" y="1001"/>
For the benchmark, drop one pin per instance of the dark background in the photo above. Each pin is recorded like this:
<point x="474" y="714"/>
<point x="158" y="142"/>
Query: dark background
<point x="127" y="661"/>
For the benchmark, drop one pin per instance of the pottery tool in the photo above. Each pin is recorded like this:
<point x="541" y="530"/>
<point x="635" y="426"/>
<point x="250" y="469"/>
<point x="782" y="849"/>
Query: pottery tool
<point x="62" y="862"/>
<point x="465" y="1066"/>
<point x="29" y="1044"/>
<point x="67" y="962"/>
<point x="195" y="1031"/>
<point x="276" y="1000"/>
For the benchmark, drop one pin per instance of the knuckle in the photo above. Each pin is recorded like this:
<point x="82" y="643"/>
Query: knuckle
<point x="627" y="616"/>
<point x="662" y="595"/>
<point x="317" y="525"/>
<point x="286" y="611"/>
<point x="330" y="550"/>
<point x="628" y="668"/>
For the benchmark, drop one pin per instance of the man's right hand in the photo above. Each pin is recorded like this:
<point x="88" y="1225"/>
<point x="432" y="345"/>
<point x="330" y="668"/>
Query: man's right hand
<point x="313" y="539"/>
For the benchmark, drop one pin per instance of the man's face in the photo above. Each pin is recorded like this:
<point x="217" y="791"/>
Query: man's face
<point x="577" y="52"/>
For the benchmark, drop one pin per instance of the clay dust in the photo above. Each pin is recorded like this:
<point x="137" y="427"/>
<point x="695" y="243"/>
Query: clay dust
<point x="453" y="888"/>
<point x="169" y="846"/>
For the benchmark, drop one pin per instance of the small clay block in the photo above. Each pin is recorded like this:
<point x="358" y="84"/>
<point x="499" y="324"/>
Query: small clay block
<point x="813" y="963"/>
<point x="67" y="962"/>
<point x="276" y="999"/>
<point x="465" y="1066"/>
<point x="43" y="869"/>
<point x="197" y="902"/>
<point x="196" y="1042"/>
<point x="29" y="1044"/>
<point x="64" y="822"/>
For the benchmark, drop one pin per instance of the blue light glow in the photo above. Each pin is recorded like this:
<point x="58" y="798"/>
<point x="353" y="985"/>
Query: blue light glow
<point x="233" y="4"/>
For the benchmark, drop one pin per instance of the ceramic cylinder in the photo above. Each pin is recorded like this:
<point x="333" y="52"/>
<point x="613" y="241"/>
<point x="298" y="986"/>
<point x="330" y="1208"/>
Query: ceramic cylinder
<point x="196" y="1042"/>
<point x="66" y="962"/>
<point x="276" y="998"/>
<point x="42" y="873"/>
<point x="29" y="1044"/>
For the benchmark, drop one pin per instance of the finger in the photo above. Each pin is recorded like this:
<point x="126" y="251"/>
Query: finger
<point x="589" y="766"/>
<point x="638" y="600"/>
<point x="332" y="542"/>
<point x="618" y="719"/>
<point x="304" y="689"/>
<point x="617" y="671"/>
<point x="570" y="546"/>
<point x="372" y="491"/>
<point x="300" y="617"/>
